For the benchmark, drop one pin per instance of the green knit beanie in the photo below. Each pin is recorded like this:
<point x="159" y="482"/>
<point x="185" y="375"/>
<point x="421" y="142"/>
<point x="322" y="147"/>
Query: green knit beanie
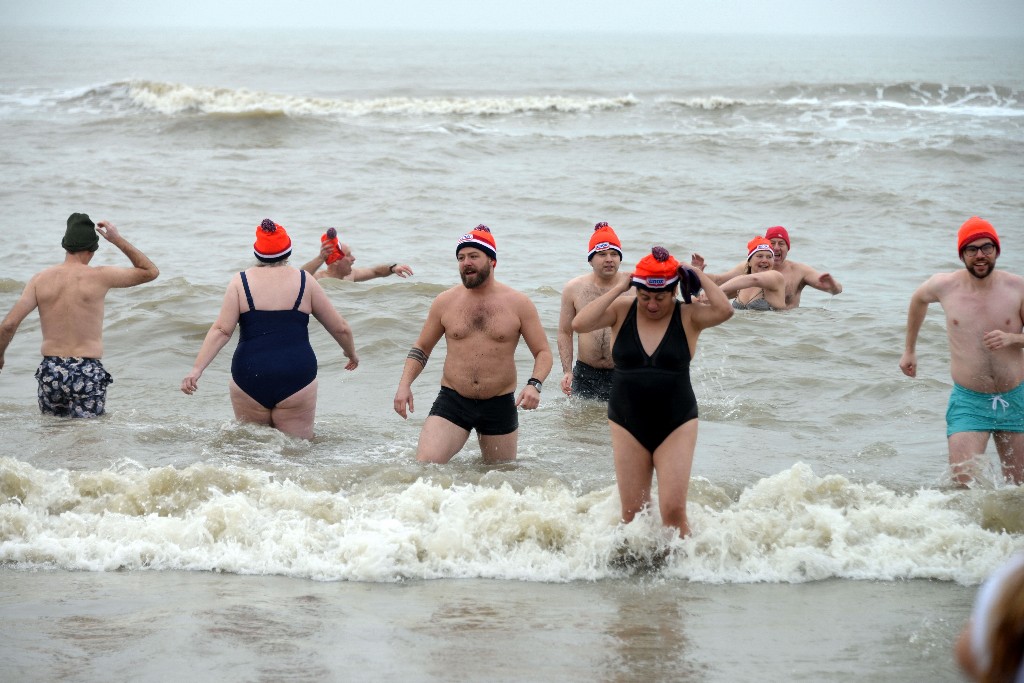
<point x="81" y="234"/>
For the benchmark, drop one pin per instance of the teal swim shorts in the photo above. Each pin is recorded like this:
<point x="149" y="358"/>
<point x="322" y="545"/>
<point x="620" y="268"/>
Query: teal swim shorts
<point x="970" y="411"/>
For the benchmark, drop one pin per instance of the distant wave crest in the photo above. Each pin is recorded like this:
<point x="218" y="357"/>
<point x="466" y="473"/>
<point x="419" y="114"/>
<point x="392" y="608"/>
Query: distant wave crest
<point x="975" y="99"/>
<point x="176" y="98"/>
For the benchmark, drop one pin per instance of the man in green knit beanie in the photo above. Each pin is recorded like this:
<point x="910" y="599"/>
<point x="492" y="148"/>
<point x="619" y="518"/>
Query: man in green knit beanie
<point x="70" y="297"/>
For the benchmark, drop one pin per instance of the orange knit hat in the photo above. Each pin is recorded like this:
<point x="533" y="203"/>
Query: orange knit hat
<point x="481" y="238"/>
<point x="272" y="242"/>
<point x="331" y="236"/>
<point x="975" y="228"/>
<point x="657" y="271"/>
<point x="603" y="238"/>
<point x="758" y="244"/>
<point x="777" y="232"/>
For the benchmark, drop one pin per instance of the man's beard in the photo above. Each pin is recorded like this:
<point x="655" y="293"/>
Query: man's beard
<point x="474" y="280"/>
<point x="991" y="267"/>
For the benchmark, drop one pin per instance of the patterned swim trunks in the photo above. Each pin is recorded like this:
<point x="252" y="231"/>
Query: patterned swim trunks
<point x="72" y="387"/>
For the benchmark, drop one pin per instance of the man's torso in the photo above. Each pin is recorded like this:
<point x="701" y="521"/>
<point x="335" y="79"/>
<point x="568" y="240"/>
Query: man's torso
<point x="481" y="332"/>
<point x="971" y="314"/>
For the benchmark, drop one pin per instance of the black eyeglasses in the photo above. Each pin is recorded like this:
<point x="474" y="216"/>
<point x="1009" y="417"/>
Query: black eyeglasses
<point x="985" y="249"/>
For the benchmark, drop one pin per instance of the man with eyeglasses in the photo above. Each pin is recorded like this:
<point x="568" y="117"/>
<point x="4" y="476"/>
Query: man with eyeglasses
<point x="984" y="322"/>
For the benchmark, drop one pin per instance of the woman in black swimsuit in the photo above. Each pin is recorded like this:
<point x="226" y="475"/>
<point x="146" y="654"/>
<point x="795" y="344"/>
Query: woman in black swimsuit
<point x="652" y="412"/>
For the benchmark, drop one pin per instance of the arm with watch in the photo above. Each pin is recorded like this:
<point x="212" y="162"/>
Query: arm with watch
<point x="381" y="270"/>
<point x="537" y="341"/>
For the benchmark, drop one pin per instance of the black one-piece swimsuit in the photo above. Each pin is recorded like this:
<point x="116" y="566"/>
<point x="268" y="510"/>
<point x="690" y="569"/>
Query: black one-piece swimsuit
<point x="651" y="395"/>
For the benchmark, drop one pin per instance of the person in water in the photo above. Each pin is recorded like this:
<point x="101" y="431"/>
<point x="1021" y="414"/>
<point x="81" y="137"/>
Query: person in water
<point x="760" y="288"/>
<point x="591" y="376"/>
<point x="273" y="371"/>
<point x="70" y="296"/>
<point x="796" y="275"/>
<point x="481" y="321"/>
<point x="340" y="261"/>
<point x="652" y="412"/>
<point x="984" y="320"/>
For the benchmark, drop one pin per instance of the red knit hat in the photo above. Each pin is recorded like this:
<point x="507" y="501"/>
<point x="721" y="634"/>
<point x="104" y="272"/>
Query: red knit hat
<point x="603" y="238"/>
<point x="758" y="244"/>
<point x="975" y="228"/>
<point x="272" y="242"/>
<point x="657" y="271"/>
<point x="481" y="238"/>
<point x="777" y="232"/>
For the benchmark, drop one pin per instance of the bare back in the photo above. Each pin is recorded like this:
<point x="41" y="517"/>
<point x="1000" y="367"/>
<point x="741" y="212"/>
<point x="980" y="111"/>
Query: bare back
<point x="70" y="298"/>
<point x="974" y="308"/>
<point x="481" y="330"/>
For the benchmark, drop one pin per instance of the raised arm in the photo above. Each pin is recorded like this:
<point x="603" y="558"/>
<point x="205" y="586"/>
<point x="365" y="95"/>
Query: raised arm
<point x="821" y="281"/>
<point x="380" y="270"/>
<point x="219" y="334"/>
<point x="601" y="312"/>
<point x="417" y="358"/>
<point x="919" y="301"/>
<point x="715" y="311"/>
<point x="143" y="269"/>
<point x="697" y="263"/>
<point x="326" y="249"/>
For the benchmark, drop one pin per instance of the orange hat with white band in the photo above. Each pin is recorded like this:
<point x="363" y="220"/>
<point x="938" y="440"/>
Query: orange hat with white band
<point x="657" y="271"/>
<point x="272" y="242"/>
<point x="759" y="244"/>
<point x="481" y="238"/>
<point x="602" y="239"/>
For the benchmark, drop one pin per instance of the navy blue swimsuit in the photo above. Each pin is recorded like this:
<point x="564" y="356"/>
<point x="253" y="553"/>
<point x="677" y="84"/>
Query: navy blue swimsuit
<point x="651" y="395"/>
<point x="273" y="358"/>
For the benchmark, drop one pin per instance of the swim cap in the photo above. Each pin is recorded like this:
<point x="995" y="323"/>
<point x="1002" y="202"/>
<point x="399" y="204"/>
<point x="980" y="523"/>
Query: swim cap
<point x="81" y="234"/>
<point x="272" y="242"/>
<point x="776" y="232"/>
<point x="975" y="228"/>
<point x="603" y="238"/>
<point x="758" y="244"/>
<point x="481" y="238"/>
<point x="657" y="271"/>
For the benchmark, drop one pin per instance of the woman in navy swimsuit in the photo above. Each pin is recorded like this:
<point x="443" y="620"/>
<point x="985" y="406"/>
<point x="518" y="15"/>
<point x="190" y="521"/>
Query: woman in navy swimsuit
<point x="273" y="371"/>
<point x="652" y="412"/>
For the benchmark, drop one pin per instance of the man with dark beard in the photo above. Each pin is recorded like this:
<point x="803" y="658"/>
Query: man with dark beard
<point x="481" y="322"/>
<point x="984" y="322"/>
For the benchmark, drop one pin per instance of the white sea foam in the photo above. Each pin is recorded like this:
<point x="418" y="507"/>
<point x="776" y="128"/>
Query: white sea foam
<point x="177" y="98"/>
<point x="791" y="527"/>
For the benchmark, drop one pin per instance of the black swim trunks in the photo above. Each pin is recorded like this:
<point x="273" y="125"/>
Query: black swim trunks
<point x="72" y="387"/>
<point x="488" y="416"/>
<point x="590" y="382"/>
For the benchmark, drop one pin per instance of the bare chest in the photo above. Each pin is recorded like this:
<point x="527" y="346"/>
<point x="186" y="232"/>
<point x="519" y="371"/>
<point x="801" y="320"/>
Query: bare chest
<point x="484" y="321"/>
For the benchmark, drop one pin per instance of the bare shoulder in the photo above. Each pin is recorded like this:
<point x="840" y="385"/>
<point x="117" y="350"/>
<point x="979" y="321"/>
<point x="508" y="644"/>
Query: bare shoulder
<point x="520" y="301"/>
<point x="448" y="296"/>
<point x="573" y="285"/>
<point x="1011" y="280"/>
<point x="943" y="282"/>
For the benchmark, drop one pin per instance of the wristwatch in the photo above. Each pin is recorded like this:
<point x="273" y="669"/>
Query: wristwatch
<point x="535" y="383"/>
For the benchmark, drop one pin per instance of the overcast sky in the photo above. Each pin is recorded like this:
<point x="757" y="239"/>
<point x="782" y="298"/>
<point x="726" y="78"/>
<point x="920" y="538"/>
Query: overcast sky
<point x="860" y="17"/>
